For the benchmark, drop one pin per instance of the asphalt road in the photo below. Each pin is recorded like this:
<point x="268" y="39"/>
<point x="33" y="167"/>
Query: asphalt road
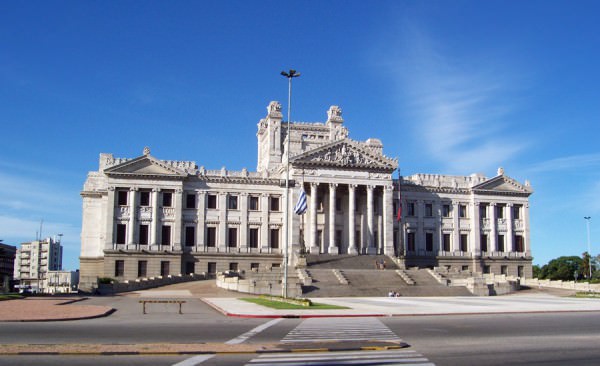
<point x="507" y="339"/>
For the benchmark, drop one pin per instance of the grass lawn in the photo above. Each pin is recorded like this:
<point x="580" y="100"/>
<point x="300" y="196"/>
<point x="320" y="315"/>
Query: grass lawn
<point x="287" y="306"/>
<point x="10" y="297"/>
<point x="588" y="295"/>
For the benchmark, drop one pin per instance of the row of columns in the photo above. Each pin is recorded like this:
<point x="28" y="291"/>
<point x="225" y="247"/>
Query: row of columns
<point x="333" y="241"/>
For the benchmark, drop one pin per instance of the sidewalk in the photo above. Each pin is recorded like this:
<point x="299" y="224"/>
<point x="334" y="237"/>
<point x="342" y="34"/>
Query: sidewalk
<point x="31" y="309"/>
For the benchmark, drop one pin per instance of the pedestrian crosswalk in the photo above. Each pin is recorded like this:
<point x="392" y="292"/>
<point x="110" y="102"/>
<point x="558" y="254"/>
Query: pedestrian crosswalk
<point x="341" y="329"/>
<point x="389" y="358"/>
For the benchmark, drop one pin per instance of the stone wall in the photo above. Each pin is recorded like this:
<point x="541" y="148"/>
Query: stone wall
<point x="260" y="283"/>
<point x="146" y="283"/>
<point x="567" y="285"/>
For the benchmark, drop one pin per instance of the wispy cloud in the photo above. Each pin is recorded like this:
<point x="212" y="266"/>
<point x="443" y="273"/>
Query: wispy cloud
<point x="461" y="115"/>
<point x="567" y="163"/>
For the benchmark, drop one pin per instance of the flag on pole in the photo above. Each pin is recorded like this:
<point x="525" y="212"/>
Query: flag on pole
<point x="301" y="206"/>
<point x="399" y="213"/>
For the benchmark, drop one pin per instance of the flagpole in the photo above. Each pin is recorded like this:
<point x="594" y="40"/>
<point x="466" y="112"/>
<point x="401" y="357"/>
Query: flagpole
<point x="289" y="75"/>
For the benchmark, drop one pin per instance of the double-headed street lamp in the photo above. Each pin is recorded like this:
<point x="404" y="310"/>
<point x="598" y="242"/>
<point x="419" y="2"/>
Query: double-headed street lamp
<point x="587" y="219"/>
<point x="289" y="75"/>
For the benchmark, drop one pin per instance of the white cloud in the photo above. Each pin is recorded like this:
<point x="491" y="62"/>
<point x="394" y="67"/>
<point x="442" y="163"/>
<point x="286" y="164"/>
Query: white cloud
<point x="573" y="162"/>
<point x="460" y="115"/>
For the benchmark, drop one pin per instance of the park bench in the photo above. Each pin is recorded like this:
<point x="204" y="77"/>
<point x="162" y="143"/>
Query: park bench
<point x="144" y="302"/>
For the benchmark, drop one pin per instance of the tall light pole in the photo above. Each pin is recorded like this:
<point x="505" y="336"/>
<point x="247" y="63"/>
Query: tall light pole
<point x="289" y="75"/>
<point x="587" y="220"/>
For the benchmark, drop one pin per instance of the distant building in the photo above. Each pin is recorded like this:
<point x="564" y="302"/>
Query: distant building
<point x="33" y="262"/>
<point x="7" y="263"/>
<point x="61" y="282"/>
<point x="146" y="217"/>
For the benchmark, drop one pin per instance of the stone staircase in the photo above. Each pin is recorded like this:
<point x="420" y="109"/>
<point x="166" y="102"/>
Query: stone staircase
<point x="362" y="278"/>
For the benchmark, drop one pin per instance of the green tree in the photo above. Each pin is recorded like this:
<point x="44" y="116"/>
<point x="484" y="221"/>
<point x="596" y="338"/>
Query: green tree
<point x="536" y="271"/>
<point x="585" y="265"/>
<point x="562" y="268"/>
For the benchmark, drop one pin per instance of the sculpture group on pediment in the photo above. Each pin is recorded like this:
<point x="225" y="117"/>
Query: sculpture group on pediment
<point x="341" y="154"/>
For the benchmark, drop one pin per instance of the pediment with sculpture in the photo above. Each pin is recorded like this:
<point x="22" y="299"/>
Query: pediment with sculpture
<point x="148" y="166"/>
<point x="503" y="183"/>
<point x="344" y="153"/>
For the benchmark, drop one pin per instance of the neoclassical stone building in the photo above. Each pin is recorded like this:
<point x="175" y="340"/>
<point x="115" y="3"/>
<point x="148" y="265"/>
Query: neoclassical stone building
<point x="146" y="217"/>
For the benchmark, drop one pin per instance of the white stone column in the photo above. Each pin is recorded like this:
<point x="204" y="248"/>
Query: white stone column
<point x="493" y="240"/>
<point x="243" y="245"/>
<point x="388" y="220"/>
<point x="508" y="247"/>
<point x="264" y="225"/>
<point x="352" y="219"/>
<point x="420" y="237"/>
<point x="109" y="238"/>
<point x="526" y="239"/>
<point x="332" y="249"/>
<point x="314" y="248"/>
<point x="222" y="236"/>
<point x="370" y="242"/>
<point x="178" y="224"/>
<point x="155" y="217"/>
<point x="455" y="227"/>
<point x="475" y="229"/>
<point x="201" y="218"/>
<point x="132" y="215"/>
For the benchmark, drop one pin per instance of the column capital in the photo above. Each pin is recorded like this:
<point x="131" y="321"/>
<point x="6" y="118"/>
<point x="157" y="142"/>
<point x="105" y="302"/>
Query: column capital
<point x="179" y="191"/>
<point x="264" y="195"/>
<point x="111" y="188"/>
<point x="492" y="204"/>
<point x="314" y="184"/>
<point x="370" y="187"/>
<point x="509" y="204"/>
<point x="133" y="189"/>
<point x="389" y="187"/>
<point x="333" y="185"/>
<point x="243" y="194"/>
<point x="352" y="186"/>
<point x="476" y="203"/>
<point x="156" y="189"/>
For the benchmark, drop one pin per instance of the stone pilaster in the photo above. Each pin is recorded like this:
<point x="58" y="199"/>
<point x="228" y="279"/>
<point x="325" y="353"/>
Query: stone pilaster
<point x="132" y="216"/>
<point x="526" y="239"/>
<point x="111" y="206"/>
<point x="388" y="220"/>
<point x="352" y="219"/>
<point x="314" y="247"/>
<point x="178" y="224"/>
<point x="370" y="222"/>
<point x="332" y="249"/>
<point x="201" y="227"/>
<point x="222" y="236"/>
<point x="509" y="228"/>
<point x="243" y="244"/>
<point x="264" y="225"/>
<point x="455" y="227"/>
<point x="493" y="239"/>
<point x="155" y="217"/>
<point x="475" y="229"/>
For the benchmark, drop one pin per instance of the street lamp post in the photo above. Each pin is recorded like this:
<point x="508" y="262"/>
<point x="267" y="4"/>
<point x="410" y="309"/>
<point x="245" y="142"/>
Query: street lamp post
<point x="587" y="219"/>
<point x="289" y="75"/>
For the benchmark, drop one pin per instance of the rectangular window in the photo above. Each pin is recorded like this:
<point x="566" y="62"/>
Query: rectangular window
<point x="233" y="266"/>
<point x="500" y="243"/>
<point x="190" y="200"/>
<point x="211" y="236"/>
<point x="212" y="268"/>
<point x="121" y="233"/>
<point x="165" y="235"/>
<point x="486" y="269"/>
<point x="504" y="270"/>
<point x="144" y="234"/>
<point x="483" y="210"/>
<point x="462" y="211"/>
<point x="464" y="242"/>
<point x="410" y="239"/>
<point x="484" y="243"/>
<point x="410" y="209"/>
<point x="429" y="210"/>
<point x="274" y="203"/>
<point x="190" y="236"/>
<point x="520" y="271"/>
<point x="167" y="199"/>
<point x="142" y="266"/>
<point x="253" y="237"/>
<point x="500" y="211"/>
<point x="232" y="202"/>
<point x="122" y="198"/>
<point x="446" y="210"/>
<point x="519" y="247"/>
<point x="516" y="212"/>
<point x="446" y="242"/>
<point x="232" y="237"/>
<point x="254" y="266"/>
<point x="119" y="268"/>
<point x="464" y="268"/>
<point x="274" y="236"/>
<point x="190" y="267"/>
<point x="164" y="268"/>
<point x="253" y="203"/>
<point x="429" y="242"/>
<point x="211" y="201"/>
<point x="144" y="198"/>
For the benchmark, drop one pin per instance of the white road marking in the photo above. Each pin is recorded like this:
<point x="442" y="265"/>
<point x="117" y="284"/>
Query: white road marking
<point x="341" y="329"/>
<point x="388" y="358"/>
<point x="242" y="338"/>
<point x="193" y="361"/>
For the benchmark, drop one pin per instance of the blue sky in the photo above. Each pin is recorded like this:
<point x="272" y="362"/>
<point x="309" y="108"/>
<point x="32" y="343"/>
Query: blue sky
<point x="449" y="87"/>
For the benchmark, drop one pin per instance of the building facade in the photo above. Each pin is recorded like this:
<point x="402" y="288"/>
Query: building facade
<point x="146" y="217"/>
<point x="7" y="266"/>
<point x="33" y="262"/>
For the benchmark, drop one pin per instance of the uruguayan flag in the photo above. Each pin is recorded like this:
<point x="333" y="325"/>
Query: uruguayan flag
<point x="300" y="207"/>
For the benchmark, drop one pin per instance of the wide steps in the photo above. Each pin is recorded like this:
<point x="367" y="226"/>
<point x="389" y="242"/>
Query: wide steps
<point x="345" y="261"/>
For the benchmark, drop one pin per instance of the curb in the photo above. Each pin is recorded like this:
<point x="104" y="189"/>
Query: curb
<point x="102" y="315"/>
<point x="208" y="352"/>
